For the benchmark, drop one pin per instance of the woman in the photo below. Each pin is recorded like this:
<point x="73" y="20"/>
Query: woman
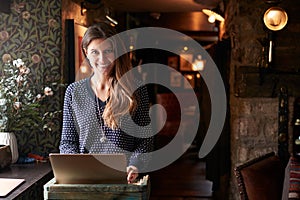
<point x="97" y="109"/>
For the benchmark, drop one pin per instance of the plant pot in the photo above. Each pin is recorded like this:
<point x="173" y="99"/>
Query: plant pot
<point x="9" y="138"/>
<point x="5" y="156"/>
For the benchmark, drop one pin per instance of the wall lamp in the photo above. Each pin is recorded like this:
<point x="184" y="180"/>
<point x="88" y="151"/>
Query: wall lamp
<point x="89" y="5"/>
<point x="198" y="64"/>
<point x="275" y="18"/>
<point x="213" y="16"/>
<point x="83" y="8"/>
<point x="113" y="21"/>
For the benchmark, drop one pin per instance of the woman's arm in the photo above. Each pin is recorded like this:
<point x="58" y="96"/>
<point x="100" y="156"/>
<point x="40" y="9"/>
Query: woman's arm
<point x="69" y="142"/>
<point x="140" y="158"/>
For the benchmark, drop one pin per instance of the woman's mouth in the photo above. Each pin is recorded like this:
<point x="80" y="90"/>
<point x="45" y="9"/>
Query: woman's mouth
<point x="103" y="65"/>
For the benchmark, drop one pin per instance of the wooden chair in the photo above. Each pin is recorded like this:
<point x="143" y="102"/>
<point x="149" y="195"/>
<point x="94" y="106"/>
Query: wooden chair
<point x="261" y="178"/>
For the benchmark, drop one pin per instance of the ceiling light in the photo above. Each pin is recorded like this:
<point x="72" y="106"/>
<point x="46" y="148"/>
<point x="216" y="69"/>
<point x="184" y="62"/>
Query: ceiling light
<point x="111" y="20"/>
<point x="211" y="14"/>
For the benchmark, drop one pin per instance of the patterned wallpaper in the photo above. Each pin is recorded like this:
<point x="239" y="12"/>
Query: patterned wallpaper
<point x="32" y="31"/>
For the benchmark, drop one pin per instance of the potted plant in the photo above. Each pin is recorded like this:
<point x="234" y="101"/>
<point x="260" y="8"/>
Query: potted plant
<point x="21" y="102"/>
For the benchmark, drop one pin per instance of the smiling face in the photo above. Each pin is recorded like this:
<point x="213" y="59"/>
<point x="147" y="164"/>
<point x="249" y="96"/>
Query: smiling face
<point x="100" y="53"/>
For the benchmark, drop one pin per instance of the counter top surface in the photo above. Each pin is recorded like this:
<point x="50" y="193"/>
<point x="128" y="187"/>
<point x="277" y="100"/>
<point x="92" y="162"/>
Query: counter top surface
<point x="32" y="173"/>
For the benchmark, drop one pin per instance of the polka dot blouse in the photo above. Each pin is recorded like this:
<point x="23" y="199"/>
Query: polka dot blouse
<point x="83" y="129"/>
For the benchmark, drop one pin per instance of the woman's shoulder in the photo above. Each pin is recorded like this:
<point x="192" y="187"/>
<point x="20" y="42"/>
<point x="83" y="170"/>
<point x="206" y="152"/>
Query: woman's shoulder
<point x="140" y="85"/>
<point x="78" y="85"/>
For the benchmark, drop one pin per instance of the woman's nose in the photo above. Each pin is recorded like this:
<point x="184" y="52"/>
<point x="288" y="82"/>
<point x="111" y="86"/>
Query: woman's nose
<point x="102" y="56"/>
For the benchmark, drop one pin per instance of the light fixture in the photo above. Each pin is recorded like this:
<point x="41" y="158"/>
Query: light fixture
<point x="84" y="69"/>
<point x="275" y="18"/>
<point x="113" y="21"/>
<point x="212" y="15"/>
<point x="155" y="15"/>
<point x="83" y="8"/>
<point x="86" y="5"/>
<point x="198" y="64"/>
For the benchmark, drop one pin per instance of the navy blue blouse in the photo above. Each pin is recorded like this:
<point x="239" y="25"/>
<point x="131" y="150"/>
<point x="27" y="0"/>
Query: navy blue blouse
<point x="83" y="124"/>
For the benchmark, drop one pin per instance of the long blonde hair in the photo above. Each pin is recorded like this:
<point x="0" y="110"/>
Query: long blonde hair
<point x="121" y="97"/>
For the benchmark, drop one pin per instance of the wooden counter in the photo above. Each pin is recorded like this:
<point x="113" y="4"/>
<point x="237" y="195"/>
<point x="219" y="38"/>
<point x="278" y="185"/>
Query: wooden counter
<point x="55" y="191"/>
<point x="35" y="175"/>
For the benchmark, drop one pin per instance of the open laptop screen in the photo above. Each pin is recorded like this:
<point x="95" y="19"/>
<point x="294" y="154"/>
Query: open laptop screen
<point x="89" y="168"/>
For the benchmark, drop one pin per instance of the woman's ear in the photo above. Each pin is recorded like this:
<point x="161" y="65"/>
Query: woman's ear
<point x="87" y="61"/>
<point x="84" y="51"/>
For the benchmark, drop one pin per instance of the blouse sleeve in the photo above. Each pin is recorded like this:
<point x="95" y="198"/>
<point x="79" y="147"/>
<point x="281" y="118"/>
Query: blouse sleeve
<point x="69" y="142"/>
<point x="141" y="155"/>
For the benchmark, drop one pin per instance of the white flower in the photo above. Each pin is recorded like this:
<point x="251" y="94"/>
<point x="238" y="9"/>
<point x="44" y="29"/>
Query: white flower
<point x="39" y="96"/>
<point x="17" y="105"/>
<point x="24" y="70"/>
<point x="48" y="91"/>
<point x="2" y="102"/>
<point x="18" y="63"/>
<point x="19" y="79"/>
<point x="18" y="98"/>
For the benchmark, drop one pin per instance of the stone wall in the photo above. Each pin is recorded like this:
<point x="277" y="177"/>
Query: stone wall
<point x="254" y="114"/>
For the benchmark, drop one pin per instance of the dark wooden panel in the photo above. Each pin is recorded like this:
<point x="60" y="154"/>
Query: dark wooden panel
<point x="254" y="82"/>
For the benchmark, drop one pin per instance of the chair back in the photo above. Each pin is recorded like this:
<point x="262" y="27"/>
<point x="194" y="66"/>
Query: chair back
<point x="261" y="178"/>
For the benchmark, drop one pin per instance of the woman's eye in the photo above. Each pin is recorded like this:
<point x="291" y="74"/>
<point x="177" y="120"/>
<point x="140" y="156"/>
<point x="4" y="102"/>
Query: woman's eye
<point x="108" y="51"/>
<point x="94" y="52"/>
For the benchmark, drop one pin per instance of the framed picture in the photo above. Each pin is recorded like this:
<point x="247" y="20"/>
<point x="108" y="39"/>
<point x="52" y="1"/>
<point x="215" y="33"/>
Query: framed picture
<point x="190" y="79"/>
<point x="185" y="62"/>
<point x="173" y="62"/>
<point x="175" y="79"/>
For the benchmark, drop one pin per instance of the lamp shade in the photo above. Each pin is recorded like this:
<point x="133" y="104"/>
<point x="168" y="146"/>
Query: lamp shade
<point x="275" y="18"/>
<point x="211" y="13"/>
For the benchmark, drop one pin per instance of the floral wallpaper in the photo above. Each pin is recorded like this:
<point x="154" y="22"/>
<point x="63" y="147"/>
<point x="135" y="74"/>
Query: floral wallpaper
<point x="32" y="31"/>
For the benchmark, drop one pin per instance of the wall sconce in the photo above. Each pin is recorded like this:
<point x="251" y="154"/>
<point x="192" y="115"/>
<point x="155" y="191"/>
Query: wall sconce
<point x="113" y="21"/>
<point x="198" y="64"/>
<point x="89" y="5"/>
<point x="275" y="18"/>
<point x="108" y="16"/>
<point x="83" y="8"/>
<point x="213" y="16"/>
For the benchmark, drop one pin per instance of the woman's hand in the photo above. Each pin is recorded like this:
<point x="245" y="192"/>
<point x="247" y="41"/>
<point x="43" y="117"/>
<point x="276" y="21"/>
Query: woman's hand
<point x="132" y="174"/>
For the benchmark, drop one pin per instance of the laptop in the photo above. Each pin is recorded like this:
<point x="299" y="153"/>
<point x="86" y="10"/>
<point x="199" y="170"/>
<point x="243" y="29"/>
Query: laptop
<point x="89" y="168"/>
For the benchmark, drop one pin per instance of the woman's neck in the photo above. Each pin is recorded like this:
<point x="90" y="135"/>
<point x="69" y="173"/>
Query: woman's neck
<point x="100" y="86"/>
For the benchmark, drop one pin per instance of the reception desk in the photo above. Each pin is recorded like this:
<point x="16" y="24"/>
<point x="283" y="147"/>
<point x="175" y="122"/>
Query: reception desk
<point x="55" y="191"/>
<point x="35" y="175"/>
